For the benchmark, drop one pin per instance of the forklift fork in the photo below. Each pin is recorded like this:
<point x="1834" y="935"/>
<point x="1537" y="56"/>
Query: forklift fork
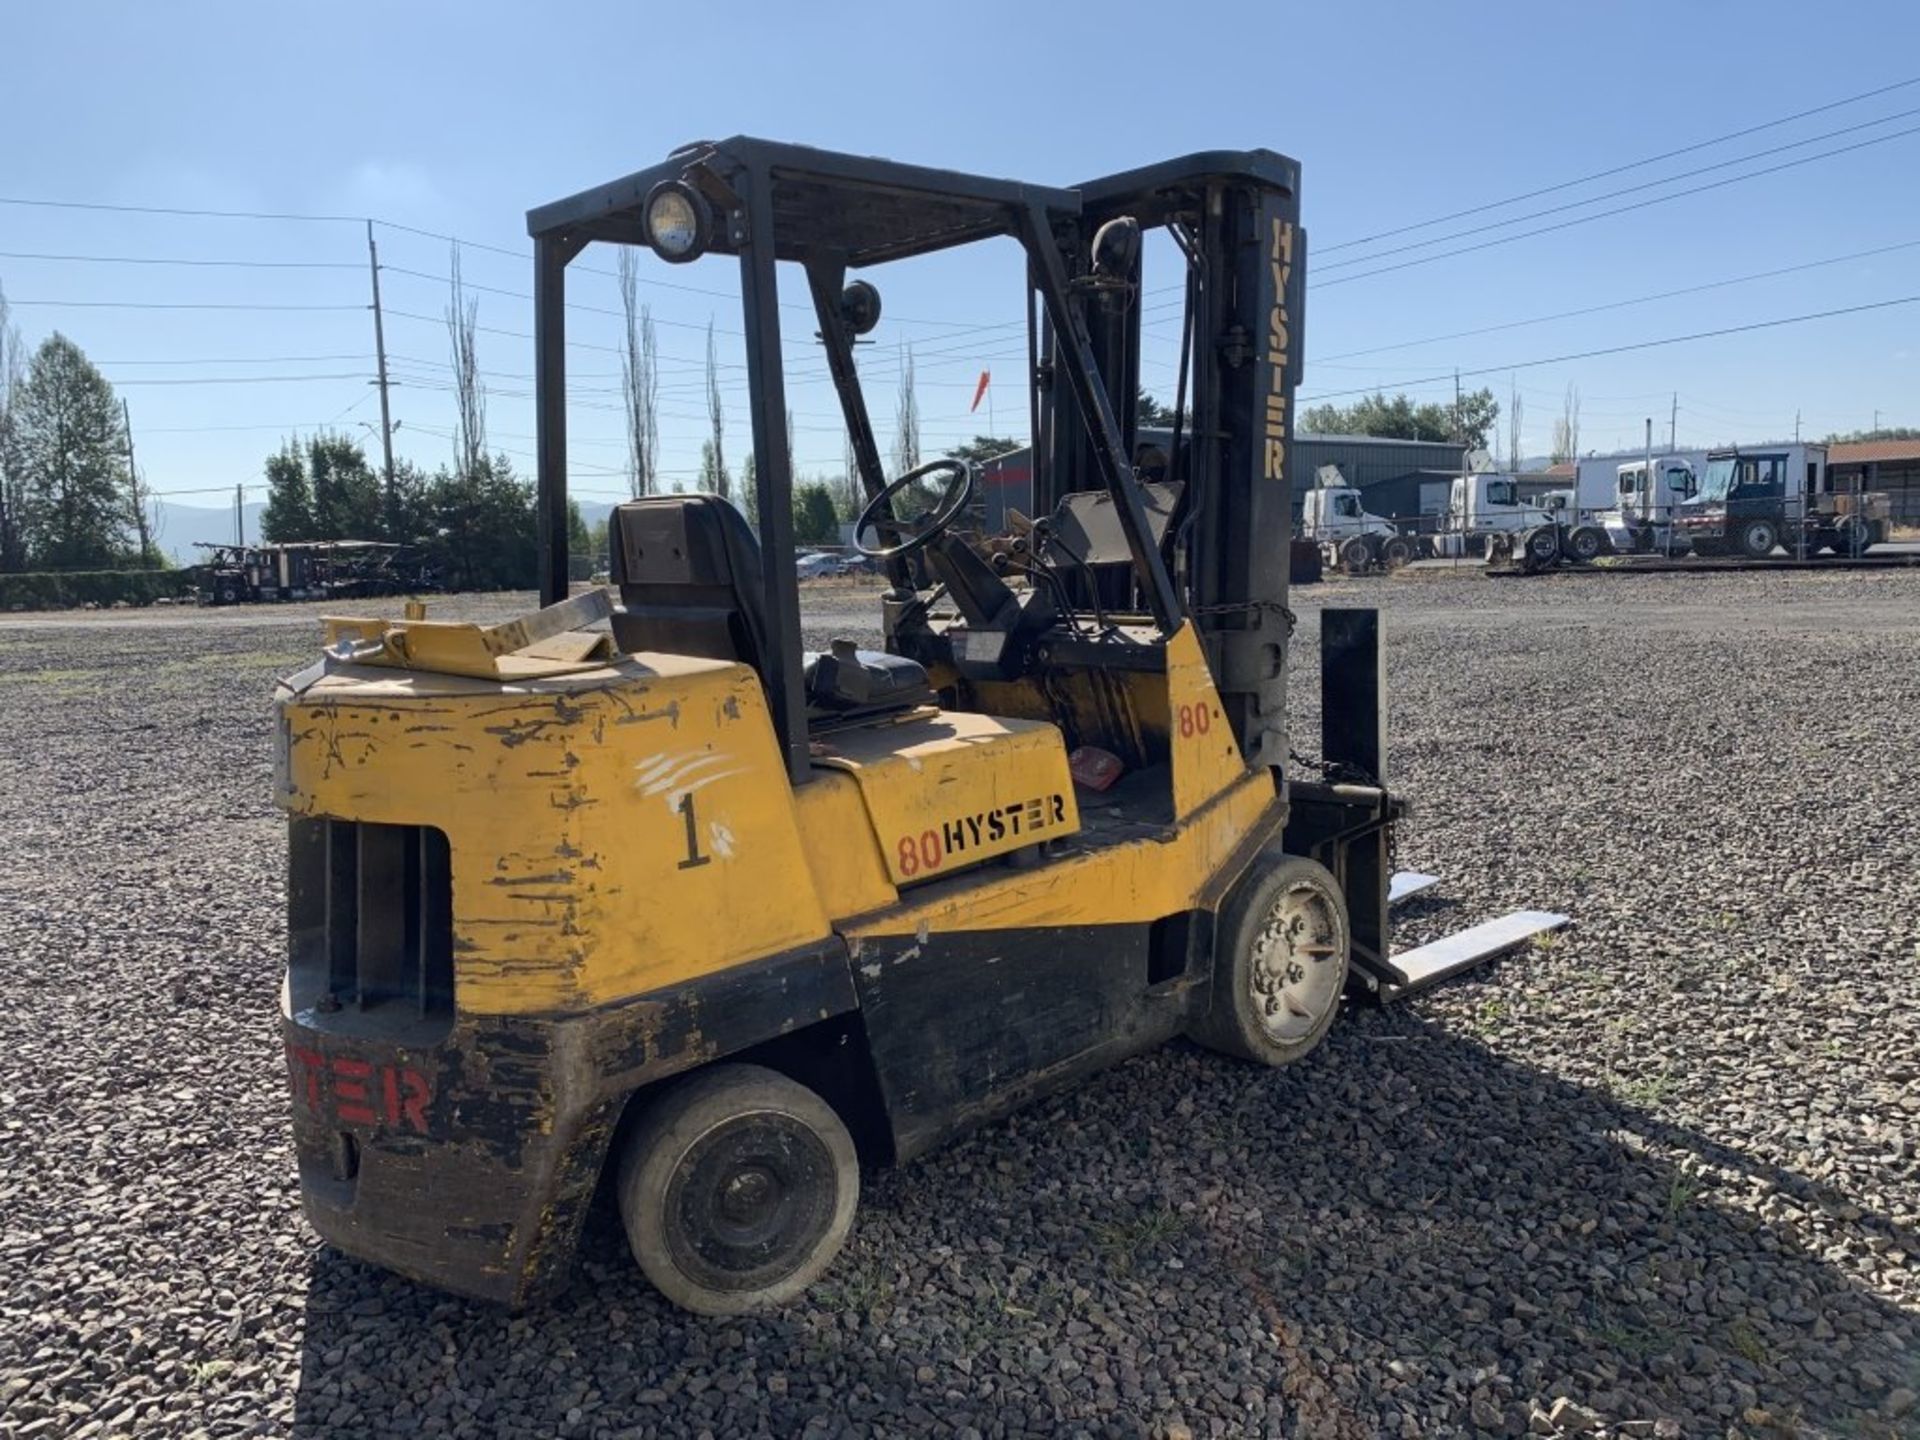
<point x="1346" y="820"/>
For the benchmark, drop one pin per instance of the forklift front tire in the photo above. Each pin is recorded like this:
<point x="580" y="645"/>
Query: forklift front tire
<point x="737" y="1189"/>
<point x="1279" y="964"/>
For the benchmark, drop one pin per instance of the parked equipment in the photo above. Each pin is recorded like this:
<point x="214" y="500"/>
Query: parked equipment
<point x="309" y="570"/>
<point x="1753" y="501"/>
<point x="1640" y="518"/>
<point x="678" y="904"/>
<point x="1334" y="516"/>
<point x="1486" y="516"/>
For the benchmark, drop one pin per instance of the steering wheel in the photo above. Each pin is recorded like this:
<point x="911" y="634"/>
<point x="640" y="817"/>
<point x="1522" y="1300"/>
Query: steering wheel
<point x="879" y="516"/>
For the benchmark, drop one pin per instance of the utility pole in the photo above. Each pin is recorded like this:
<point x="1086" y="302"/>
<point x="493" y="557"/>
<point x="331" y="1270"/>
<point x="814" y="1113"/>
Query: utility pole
<point x="1796" y="427"/>
<point x="1876" y="421"/>
<point x="239" y="519"/>
<point x="1651" y="494"/>
<point x="380" y="356"/>
<point x="133" y="489"/>
<point x="1673" y="424"/>
<point x="1459" y="430"/>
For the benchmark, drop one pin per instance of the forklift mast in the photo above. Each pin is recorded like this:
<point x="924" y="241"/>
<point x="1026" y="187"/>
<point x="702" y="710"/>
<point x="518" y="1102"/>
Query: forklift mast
<point x="1235" y="217"/>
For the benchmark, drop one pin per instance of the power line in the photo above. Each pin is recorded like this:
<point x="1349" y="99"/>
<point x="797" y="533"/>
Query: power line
<point x="1617" y="304"/>
<point x="243" y="360"/>
<point x="242" y="379"/>
<point x="178" y="210"/>
<point x="170" y="305"/>
<point x="1622" y="169"/>
<point x="221" y="429"/>
<point x="1626" y="190"/>
<point x="1620" y="209"/>
<point x="467" y="284"/>
<point x="1618" y="349"/>
<point x="167" y="260"/>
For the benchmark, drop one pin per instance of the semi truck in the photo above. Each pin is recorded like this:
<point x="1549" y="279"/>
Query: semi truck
<point x="1753" y="500"/>
<point x="1637" y="515"/>
<point x="1334" y="516"/>
<point x="1486" y="515"/>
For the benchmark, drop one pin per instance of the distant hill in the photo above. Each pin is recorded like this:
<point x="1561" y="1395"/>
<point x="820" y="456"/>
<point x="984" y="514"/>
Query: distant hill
<point x="177" y="527"/>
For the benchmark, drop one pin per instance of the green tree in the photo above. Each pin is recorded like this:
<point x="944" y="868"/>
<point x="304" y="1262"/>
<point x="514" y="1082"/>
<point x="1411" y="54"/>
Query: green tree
<point x="289" y="511"/>
<point x="579" y="543"/>
<point x="748" y="498"/>
<point x="412" y="520"/>
<point x="1885" y="432"/>
<point x="1149" y="411"/>
<point x="815" y="521"/>
<point x="13" y="480"/>
<point x="347" y="499"/>
<point x="983" y="448"/>
<point x="598" y="546"/>
<point x="483" y="528"/>
<point x="72" y="450"/>
<point x="1400" y="419"/>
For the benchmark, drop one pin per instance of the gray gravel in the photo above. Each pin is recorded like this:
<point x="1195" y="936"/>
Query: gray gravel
<point x="1656" y="1177"/>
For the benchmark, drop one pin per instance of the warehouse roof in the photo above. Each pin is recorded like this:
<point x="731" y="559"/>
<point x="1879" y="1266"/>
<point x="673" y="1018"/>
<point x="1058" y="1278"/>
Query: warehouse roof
<point x="1868" y="452"/>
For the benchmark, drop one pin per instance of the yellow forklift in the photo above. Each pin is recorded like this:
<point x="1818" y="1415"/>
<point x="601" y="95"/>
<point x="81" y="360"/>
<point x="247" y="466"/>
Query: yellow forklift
<point x="667" y="904"/>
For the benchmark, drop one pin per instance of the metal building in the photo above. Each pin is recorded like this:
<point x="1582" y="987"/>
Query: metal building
<point x="1892" y="466"/>
<point x="1364" y="460"/>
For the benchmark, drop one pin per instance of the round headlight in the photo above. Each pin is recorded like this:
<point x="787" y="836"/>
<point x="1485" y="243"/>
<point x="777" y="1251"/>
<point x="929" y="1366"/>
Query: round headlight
<point x="679" y="221"/>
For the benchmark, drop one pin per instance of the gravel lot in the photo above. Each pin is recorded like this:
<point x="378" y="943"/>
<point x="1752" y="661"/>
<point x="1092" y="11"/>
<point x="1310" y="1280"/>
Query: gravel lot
<point x="1657" y="1176"/>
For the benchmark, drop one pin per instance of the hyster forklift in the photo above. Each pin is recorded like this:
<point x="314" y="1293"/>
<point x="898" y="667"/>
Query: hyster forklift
<point x="666" y="904"/>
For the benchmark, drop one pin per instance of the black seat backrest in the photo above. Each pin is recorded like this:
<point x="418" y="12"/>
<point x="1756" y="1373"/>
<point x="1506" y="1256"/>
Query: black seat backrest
<point x="688" y="572"/>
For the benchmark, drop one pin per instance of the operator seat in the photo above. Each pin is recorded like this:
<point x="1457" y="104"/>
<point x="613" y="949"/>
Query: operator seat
<point x="688" y="571"/>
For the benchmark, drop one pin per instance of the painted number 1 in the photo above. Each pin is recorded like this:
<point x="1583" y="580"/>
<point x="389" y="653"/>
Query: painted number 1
<point x="694" y="857"/>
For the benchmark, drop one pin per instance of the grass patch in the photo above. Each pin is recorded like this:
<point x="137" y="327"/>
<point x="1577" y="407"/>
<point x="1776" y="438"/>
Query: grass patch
<point x="205" y="1372"/>
<point x="1127" y="1243"/>
<point x="54" y="679"/>
<point x="1645" y="1091"/>
<point x="860" y="1286"/>
<point x="1747" y="1344"/>
<point x="1682" y="1191"/>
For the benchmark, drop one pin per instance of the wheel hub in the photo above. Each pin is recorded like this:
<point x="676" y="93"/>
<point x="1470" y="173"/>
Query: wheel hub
<point x="1295" y="973"/>
<point x="750" y="1201"/>
<point x="746" y="1197"/>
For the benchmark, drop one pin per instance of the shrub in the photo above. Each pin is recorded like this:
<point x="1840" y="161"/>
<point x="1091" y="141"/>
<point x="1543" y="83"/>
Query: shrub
<point x="68" y="589"/>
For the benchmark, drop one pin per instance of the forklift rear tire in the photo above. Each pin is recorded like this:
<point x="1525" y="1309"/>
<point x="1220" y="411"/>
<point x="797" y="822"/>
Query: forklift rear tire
<point x="1279" y="963"/>
<point x="737" y="1190"/>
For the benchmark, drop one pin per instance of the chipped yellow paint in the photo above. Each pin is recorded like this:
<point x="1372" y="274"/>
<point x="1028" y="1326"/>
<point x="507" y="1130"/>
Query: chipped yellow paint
<point x="1206" y="757"/>
<point x="1134" y="881"/>
<point x="562" y="801"/>
<point x="841" y="848"/>
<point x="630" y="827"/>
<point x="948" y="789"/>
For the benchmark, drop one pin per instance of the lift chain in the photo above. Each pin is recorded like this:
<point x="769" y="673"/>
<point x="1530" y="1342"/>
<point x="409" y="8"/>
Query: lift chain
<point x="1335" y="773"/>
<point x="1239" y="607"/>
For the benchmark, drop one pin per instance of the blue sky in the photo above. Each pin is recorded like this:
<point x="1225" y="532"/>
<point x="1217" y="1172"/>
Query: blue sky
<point x="458" y="118"/>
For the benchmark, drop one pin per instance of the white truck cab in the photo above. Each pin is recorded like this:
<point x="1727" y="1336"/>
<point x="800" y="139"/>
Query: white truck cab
<point x="1486" y="514"/>
<point x="1642" y="518"/>
<point x="1333" y="514"/>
